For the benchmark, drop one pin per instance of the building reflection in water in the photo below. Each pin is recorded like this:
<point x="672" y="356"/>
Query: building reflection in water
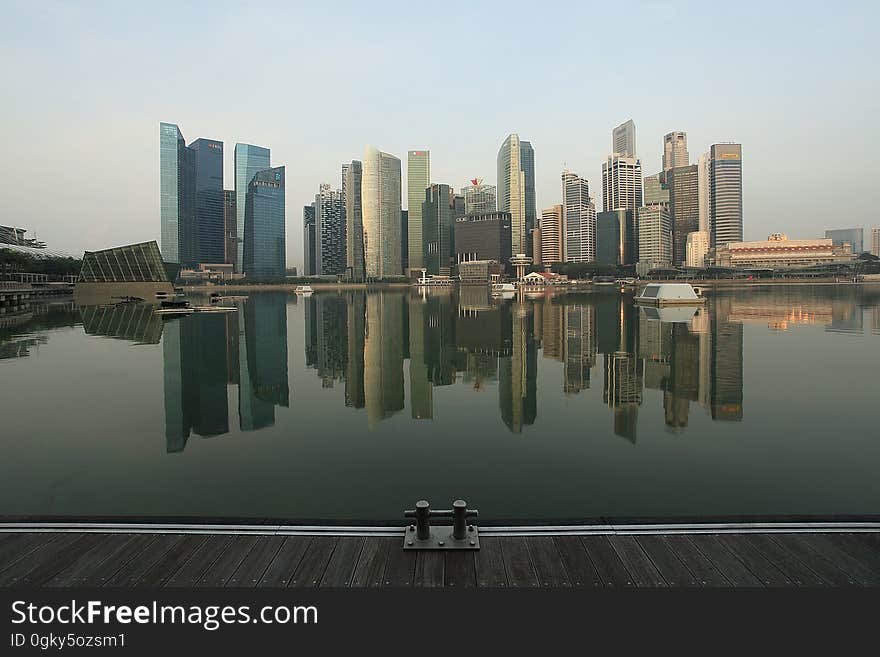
<point x="383" y="356"/>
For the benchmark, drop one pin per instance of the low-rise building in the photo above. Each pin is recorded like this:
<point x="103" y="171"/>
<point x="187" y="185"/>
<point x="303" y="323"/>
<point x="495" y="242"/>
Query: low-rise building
<point x="483" y="237"/>
<point x="779" y="251"/>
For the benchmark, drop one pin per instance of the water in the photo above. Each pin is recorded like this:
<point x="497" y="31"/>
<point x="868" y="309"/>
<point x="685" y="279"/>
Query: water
<point x="349" y="408"/>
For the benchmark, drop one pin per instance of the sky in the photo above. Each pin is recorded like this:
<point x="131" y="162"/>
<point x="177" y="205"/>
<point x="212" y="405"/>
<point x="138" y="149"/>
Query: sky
<point x="85" y="84"/>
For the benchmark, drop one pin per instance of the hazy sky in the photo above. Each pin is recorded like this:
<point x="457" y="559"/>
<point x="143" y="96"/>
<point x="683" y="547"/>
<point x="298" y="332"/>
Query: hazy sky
<point x="85" y="86"/>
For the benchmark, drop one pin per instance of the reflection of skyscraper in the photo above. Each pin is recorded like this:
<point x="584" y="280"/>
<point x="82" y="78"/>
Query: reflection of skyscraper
<point x="421" y="392"/>
<point x="518" y="374"/>
<point x="552" y="330"/>
<point x="580" y="347"/>
<point x="624" y="372"/>
<point x="263" y="358"/>
<point x="332" y="342"/>
<point x="383" y="357"/>
<point x="726" y="364"/>
<point x="683" y="384"/>
<point x="354" y="373"/>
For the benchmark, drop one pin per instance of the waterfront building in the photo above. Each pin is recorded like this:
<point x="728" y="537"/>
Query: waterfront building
<point x="438" y="219"/>
<point x="354" y="222"/>
<point x="536" y="246"/>
<point x="483" y="237"/>
<point x="478" y="272"/>
<point x="578" y="218"/>
<point x="512" y="190"/>
<point x="418" y="179"/>
<point x="310" y="247"/>
<point x="623" y="139"/>
<point x="655" y="235"/>
<point x="655" y="189"/>
<point x="616" y="237"/>
<point x="208" y="221"/>
<point x="725" y="193"/>
<point x="404" y="240"/>
<point x="176" y="195"/>
<point x="875" y="242"/>
<point x="552" y="235"/>
<point x="380" y="197"/>
<point x="855" y="237"/>
<point x="779" y="251"/>
<point x="675" y="153"/>
<point x="131" y="270"/>
<point x="697" y="248"/>
<point x="230" y="244"/>
<point x="621" y="183"/>
<point x="330" y="231"/>
<point x="684" y="208"/>
<point x="479" y="198"/>
<point x="249" y="160"/>
<point x="264" y="222"/>
<point x="527" y="160"/>
<point x="703" y="196"/>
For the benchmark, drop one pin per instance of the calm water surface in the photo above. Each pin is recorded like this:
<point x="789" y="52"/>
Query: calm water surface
<point x="351" y="407"/>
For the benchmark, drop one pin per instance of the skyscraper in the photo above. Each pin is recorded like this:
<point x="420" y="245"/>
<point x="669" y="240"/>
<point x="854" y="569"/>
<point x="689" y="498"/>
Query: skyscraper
<point x="725" y="190"/>
<point x="248" y="161"/>
<point x="330" y="231"/>
<point x="684" y="208"/>
<point x="380" y="195"/>
<point x="655" y="189"/>
<point x="621" y="183"/>
<point x="354" y="222"/>
<point x="438" y="218"/>
<point x="208" y="226"/>
<point x="855" y="237"/>
<point x="264" y="221"/>
<point x="875" y="242"/>
<point x="675" y="153"/>
<point x="512" y="191"/>
<point x="578" y="218"/>
<point x="623" y="139"/>
<point x="230" y="246"/>
<point x="655" y="235"/>
<point x="616" y="237"/>
<point x="552" y="235"/>
<point x="176" y="195"/>
<point x="703" y="195"/>
<point x="418" y="177"/>
<point x="310" y="250"/>
<point x="478" y="198"/>
<point x="527" y="163"/>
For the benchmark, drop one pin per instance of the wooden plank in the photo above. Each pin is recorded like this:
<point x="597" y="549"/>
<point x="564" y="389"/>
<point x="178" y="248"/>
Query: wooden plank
<point x="640" y="567"/>
<point x="281" y="568"/>
<point x="134" y="569"/>
<point x="862" y="565"/>
<point x="50" y="565"/>
<point x="201" y="559"/>
<point x="727" y="564"/>
<point x="400" y="565"/>
<point x="429" y="568"/>
<point x="702" y="568"/>
<point x="460" y="569"/>
<point x="228" y="562"/>
<point x="547" y="562"/>
<point x="17" y="546"/>
<point x="518" y="563"/>
<point x="314" y="562"/>
<point x="370" y="568"/>
<point x="170" y="562"/>
<point x="667" y="562"/>
<point x="611" y="569"/>
<point x="89" y="561"/>
<point x="792" y="567"/>
<point x="489" y="563"/>
<point x="868" y="554"/>
<point x="756" y="562"/>
<point x="581" y="571"/>
<point x="250" y="571"/>
<point x="825" y="569"/>
<point x="340" y="568"/>
<point x="99" y="573"/>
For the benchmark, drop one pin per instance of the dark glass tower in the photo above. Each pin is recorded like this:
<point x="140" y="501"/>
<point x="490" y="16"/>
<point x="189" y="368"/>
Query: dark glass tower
<point x="249" y="160"/>
<point x="438" y="219"/>
<point x="527" y="164"/>
<point x="264" y="236"/>
<point x="208" y="226"/>
<point x="176" y="195"/>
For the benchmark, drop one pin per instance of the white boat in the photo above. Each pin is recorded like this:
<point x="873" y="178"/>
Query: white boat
<point x="501" y="288"/>
<point x="670" y="294"/>
<point x="304" y="290"/>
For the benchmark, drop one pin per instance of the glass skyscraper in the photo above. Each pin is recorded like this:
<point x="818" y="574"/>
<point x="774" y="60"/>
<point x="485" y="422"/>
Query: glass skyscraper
<point x="725" y="194"/>
<point x="418" y="178"/>
<point x="248" y="161"/>
<point x="512" y="190"/>
<point x="264" y="236"/>
<point x="527" y="163"/>
<point x="380" y="197"/>
<point x="208" y="228"/>
<point x="176" y="199"/>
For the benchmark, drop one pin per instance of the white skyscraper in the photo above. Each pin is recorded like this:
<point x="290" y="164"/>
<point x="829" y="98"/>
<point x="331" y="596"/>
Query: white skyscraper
<point x="380" y="196"/>
<point x="578" y="219"/>
<point x="512" y="191"/>
<point x="621" y="183"/>
<point x="675" y="150"/>
<point x="623" y="139"/>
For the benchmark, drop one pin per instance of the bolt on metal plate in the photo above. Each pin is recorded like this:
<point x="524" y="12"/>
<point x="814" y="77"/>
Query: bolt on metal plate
<point x="441" y="538"/>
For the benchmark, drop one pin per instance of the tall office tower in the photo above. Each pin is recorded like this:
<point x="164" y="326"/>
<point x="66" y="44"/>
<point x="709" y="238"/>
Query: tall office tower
<point x="380" y="195"/>
<point x="438" y="218"/>
<point x="310" y="250"/>
<point x="855" y="237"/>
<point x="536" y="246"/>
<point x="725" y="193"/>
<point x="623" y="139"/>
<point x="527" y="164"/>
<point x="552" y="235"/>
<point x="330" y="231"/>
<point x="684" y="207"/>
<point x="418" y="178"/>
<point x="230" y="245"/>
<point x="703" y="195"/>
<point x="875" y="242"/>
<point x="404" y="240"/>
<point x="655" y="189"/>
<point x="208" y="229"/>
<point x="675" y="150"/>
<point x="176" y="195"/>
<point x="478" y="198"/>
<point x="512" y="191"/>
<point x="621" y="183"/>
<point x="579" y="219"/>
<point x="697" y="248"/>
<point x="264" y="224"/>
<point x="354" y="222"/>
<point x="616" y="237"/>
<point x="655" y="234"/>
<point x="248" y="161"/>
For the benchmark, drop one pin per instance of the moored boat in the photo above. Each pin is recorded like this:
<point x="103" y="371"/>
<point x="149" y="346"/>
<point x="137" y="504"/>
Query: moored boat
<point x="670" y="294"/>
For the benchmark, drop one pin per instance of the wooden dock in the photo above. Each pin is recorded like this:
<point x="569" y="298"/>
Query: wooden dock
<point x="96" y="558"/>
